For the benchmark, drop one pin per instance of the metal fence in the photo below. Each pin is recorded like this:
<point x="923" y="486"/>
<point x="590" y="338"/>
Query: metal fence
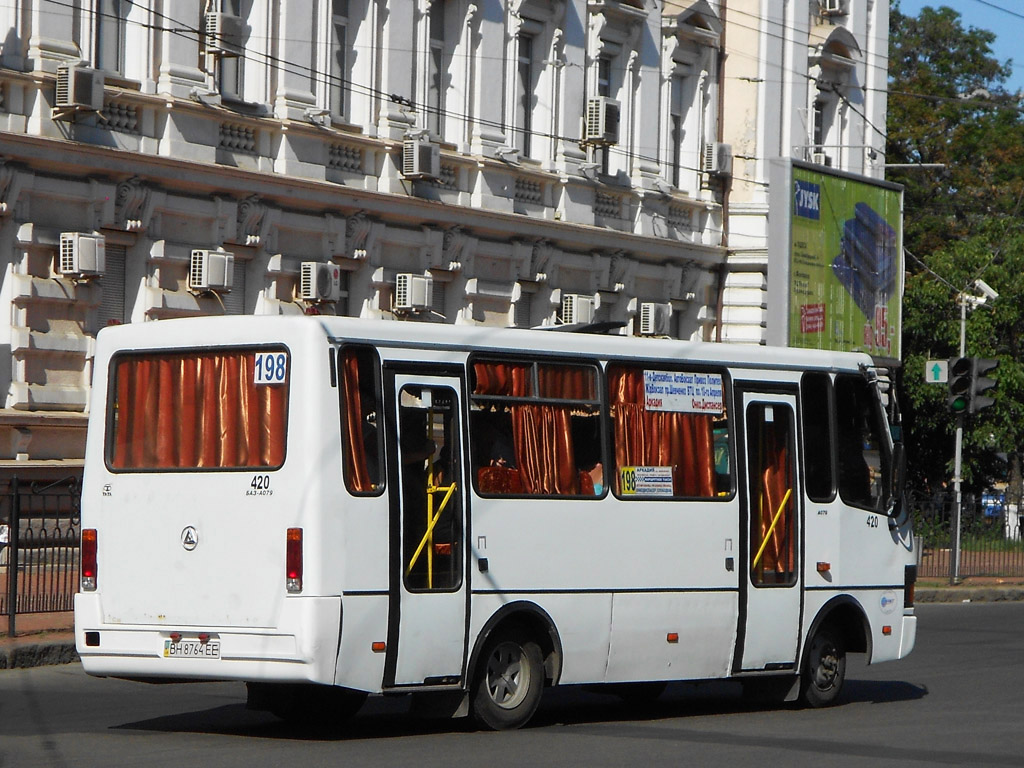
<point x="990" y="537"/>
<point x="40" y="529"/>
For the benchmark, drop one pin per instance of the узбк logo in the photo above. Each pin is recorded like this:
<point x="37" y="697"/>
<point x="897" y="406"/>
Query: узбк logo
<point x="807" y="199"/>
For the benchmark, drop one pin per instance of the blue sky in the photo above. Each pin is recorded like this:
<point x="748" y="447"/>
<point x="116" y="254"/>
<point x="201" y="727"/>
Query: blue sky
<point x="1004" y="17"/>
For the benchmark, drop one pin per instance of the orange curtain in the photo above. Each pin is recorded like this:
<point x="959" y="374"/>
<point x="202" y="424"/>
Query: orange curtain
<point x="775" y="481"/>
<point x="541" y="434"/>
<point x="683" y="441"/>
<point x="356" y="469"/>
<point x="201" y="410"/>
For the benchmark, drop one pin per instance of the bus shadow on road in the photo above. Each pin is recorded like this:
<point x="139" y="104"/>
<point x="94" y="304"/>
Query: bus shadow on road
<point x="384" y="717"/>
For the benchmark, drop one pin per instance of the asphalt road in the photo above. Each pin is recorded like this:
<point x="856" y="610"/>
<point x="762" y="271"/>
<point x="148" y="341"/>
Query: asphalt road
<point x="958" y="700"/>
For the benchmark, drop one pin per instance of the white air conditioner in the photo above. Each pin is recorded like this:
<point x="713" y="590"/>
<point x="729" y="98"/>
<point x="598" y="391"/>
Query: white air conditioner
<point x="577" y="308"/>
<point x="820" y="158"/>
<point x="601" y="122"/>
<point x="413" y="293"/>
<point x="79" y="87"/>
<point x="654" y="318"/>
<point x="223" y="33"/>
<point x="82" y="254"/>
<point x="718" y="158"/>
<point x="320" y="281"/>
<point x="421" y="159"/>
<point x="211" y="271"/>
<point x="829" y="7"/>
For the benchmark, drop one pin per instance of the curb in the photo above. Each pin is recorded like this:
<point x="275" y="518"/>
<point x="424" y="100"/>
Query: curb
<point x="969" y="594"/>
<point x="37" y="655"/>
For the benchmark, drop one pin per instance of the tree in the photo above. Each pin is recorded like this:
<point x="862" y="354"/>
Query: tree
<point x="948" y="105"/>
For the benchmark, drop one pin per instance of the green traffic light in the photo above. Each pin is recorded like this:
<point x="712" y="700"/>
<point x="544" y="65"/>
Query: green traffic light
<point x="958" y="404"/>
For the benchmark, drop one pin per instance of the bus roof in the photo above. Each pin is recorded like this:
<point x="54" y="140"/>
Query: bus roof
<point x="247" y="329"/>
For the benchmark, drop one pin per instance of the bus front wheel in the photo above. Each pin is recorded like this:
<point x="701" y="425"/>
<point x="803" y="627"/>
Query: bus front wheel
<point x="509" y="682"/>
<point x="825" y="668"/>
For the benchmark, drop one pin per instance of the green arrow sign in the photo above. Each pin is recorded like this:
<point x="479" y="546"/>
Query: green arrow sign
<point x="936" y="372"/>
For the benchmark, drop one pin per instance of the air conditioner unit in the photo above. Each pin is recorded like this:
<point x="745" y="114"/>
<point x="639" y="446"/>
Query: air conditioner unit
<point x="320" y="281"/>
<point x="211" y="271"/>
<point x="654" y="318"/>
<point x="577" y="308"/>
<point x="717" y="158"/>
<point x="413" y="293"/>
<point x="82" y="254"/>
<point x="223" y="33"/>
<point x="79" y="87"/>
<point x="421" y="159"/>
<point x="601" y="122"/>
<point x="829" y="7"/>
<point x="820" y="158"/>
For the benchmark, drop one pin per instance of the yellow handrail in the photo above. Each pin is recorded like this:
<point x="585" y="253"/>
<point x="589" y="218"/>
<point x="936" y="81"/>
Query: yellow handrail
<point x="775" y="521"/>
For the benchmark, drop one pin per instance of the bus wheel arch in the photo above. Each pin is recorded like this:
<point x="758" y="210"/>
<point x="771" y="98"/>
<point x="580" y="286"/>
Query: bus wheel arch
<point x="535" y="622"/>
<point x="515" y="656"/>
<point x="839" y="627"/>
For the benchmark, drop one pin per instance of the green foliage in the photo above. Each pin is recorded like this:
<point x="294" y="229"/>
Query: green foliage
<point x="947" y="104"/>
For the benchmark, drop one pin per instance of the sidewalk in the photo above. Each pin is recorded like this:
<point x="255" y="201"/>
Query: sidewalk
<point x="49" y="638"/>
<point x="43" y="638"/>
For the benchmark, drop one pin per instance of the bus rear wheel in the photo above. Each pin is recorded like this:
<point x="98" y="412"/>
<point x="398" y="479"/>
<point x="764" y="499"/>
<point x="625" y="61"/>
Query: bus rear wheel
<point x="509" y="682"/>
<point x="825" y="668"/>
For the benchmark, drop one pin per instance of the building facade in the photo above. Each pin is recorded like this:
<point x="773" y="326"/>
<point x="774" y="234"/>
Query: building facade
<point x="497" y="162"/>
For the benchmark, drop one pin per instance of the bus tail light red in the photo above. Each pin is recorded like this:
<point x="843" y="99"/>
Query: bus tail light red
<point x="88" y="555"/>
<point x="293" y="561"/>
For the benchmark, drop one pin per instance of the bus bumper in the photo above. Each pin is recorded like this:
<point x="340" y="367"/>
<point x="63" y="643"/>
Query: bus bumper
<point x="909" y="636"/>
<point x="301" y="648"/>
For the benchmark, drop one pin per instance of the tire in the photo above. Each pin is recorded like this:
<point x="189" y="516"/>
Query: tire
<point x="824" y="670"/>
<point x="509" y="682"/>
<point x="316" y="706"/>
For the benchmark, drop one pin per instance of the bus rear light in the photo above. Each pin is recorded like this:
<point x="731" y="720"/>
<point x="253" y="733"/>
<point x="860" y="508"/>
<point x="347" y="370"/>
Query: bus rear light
<point x="88" y="555"/>
<point x="293" y="560"/>
<point x="672" y="637"/>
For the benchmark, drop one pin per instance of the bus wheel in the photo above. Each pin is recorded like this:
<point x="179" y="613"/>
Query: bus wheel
<point x="509" y="682"/>
<point x="825" y="669"/>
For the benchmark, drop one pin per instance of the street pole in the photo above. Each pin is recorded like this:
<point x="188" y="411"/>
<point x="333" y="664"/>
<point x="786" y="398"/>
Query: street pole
<point x="954" y="559"/>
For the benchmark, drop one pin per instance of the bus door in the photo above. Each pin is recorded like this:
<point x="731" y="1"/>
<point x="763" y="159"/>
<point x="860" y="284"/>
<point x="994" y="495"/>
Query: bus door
<point x="428" y="603"/>
<point x="769" y="629"/>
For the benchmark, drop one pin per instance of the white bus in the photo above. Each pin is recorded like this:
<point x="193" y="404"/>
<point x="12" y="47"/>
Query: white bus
<point x="328" y="508"/>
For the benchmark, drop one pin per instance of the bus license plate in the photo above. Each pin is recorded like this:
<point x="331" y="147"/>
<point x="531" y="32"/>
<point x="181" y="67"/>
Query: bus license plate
<point x="192" y="649"/>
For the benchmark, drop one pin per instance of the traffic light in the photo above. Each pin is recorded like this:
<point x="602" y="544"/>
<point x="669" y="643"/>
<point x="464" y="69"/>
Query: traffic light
<point x="960" y="372"/>
<point x="981" y="383"/>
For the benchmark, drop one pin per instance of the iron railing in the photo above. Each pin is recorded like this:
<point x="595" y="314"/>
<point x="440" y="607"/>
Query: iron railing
<point x="40" y="529"/>
<point x="990" y="537"/>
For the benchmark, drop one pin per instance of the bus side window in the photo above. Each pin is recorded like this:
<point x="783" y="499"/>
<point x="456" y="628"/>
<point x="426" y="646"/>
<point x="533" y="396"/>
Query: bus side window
<point x="862" y="451"/>
<point x="665" y="446"/>
<point x="535" y="429"/>
<point x="816" y="420"/>
<point x="360" y="420"/>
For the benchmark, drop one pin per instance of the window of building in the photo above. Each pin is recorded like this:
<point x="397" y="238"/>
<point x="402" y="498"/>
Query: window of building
<point x="524" y="93"/>
<point x="862" y="447"/>
<point x="677" y="116"/>
<point x="436" y="70"/>
<point x="815" y="407"/>
<point x="670" y="433"/>
<point x="338" y="88"/>
<point x="189" y="410"/>
<point x="604" y="88"/>
<point x="535" y="429"/>
<point x="112" y="310"/>
<point x="361" y="425"/>
<point x="230" y="68"/>
<point x="110" y="34"/>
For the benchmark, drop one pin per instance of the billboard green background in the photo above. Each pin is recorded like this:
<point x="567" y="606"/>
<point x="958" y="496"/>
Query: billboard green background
<point x="846" y="266"/>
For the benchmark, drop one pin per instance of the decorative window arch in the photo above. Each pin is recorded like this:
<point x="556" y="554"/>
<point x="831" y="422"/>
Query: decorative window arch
<point x="834" y="60"/>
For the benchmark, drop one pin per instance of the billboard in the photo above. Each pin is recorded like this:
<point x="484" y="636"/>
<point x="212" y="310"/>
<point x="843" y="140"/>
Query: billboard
<point x="835" y="261"/>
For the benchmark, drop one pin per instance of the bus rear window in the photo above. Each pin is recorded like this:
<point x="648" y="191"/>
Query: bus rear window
<point x="198" y="410"/>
